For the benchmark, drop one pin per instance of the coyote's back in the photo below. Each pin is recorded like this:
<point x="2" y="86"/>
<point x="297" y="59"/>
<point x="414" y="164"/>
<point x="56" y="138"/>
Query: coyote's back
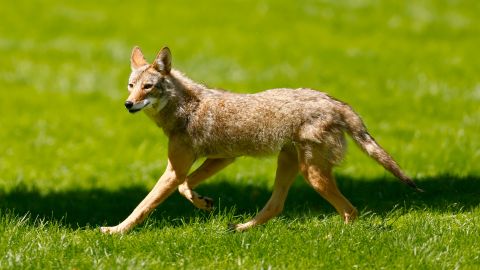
<point x="229" y="125"/>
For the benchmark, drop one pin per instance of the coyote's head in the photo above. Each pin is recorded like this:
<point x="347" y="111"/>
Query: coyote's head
<point x="148" y="83"/>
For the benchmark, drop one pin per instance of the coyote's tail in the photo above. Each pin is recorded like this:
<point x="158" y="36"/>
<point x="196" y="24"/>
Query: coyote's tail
<point x="357" y="130"/>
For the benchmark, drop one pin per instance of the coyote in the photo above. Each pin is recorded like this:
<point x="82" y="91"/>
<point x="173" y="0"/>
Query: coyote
<point x="304" y="126"/>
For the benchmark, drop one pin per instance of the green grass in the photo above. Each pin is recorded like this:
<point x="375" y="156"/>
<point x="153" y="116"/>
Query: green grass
<point x="72" y="159"/>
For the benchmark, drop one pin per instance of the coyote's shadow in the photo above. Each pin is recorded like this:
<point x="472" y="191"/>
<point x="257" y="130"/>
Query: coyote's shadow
<point x="94" y="207"/>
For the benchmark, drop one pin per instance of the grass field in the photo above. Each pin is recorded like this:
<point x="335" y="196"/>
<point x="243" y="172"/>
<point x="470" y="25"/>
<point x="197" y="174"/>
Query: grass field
<point x="72" y="159"/>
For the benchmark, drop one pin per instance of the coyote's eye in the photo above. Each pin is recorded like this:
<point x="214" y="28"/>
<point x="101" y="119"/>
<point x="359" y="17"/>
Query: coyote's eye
<point x="130" y="85"/>
<point x="147" y="86"/>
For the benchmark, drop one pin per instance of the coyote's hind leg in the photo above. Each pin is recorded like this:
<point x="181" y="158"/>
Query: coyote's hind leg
<point x="317" y="171"/>
<point x="287" y="169"/>
<point x="207" y="169"/>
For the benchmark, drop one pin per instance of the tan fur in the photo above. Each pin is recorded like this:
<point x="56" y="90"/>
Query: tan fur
<point x="304" y="126"/>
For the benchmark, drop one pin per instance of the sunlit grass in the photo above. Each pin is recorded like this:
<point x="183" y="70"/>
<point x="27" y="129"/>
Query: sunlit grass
<point x="72" y="159"/>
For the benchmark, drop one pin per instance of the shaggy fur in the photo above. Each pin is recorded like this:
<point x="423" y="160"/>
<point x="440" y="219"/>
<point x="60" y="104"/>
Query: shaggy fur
<point x="304" y="126"/>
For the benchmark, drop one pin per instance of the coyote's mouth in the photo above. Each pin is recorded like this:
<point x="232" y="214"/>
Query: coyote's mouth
<point x="134" y="110"/>
<point x="139" y="106"/>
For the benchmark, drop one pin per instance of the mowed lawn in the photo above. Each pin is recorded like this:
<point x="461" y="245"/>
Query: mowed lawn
<point x="72" y="159"/>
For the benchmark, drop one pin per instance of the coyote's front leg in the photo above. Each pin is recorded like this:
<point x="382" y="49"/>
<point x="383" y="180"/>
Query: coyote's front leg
<point x="207" y="169"/>
<point x="175" y="174"/>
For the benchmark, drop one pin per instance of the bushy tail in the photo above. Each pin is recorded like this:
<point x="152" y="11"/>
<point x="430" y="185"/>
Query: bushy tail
<point x="357" y="130"/>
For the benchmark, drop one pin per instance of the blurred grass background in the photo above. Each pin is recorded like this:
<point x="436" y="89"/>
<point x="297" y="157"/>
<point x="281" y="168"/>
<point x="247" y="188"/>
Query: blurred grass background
<point x="411" y="70"/>
<point x="66" y="142"/>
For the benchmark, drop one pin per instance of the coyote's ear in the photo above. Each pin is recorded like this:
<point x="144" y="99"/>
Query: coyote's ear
<point x="163" y="61"/>
<point x="137" y="59"/>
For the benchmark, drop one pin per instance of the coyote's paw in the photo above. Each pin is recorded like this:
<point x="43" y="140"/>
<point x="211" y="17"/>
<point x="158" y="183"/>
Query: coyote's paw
<point x="110" y="230"/>
<point x="351" y="216"/>
<point x="232" y="227"/>
<point x="204" y="203"/>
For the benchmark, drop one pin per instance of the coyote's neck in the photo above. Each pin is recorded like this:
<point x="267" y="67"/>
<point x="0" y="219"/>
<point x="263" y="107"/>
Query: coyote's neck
<point x="184" y="97"/>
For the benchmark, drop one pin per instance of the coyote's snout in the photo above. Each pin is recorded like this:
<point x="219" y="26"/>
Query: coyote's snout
<point x="305" y="127"/>
<point x="135" y="107"/>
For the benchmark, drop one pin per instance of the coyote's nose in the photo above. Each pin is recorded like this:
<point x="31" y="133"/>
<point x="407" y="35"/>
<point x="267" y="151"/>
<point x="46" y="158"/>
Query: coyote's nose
<point x="128" y="104"/>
